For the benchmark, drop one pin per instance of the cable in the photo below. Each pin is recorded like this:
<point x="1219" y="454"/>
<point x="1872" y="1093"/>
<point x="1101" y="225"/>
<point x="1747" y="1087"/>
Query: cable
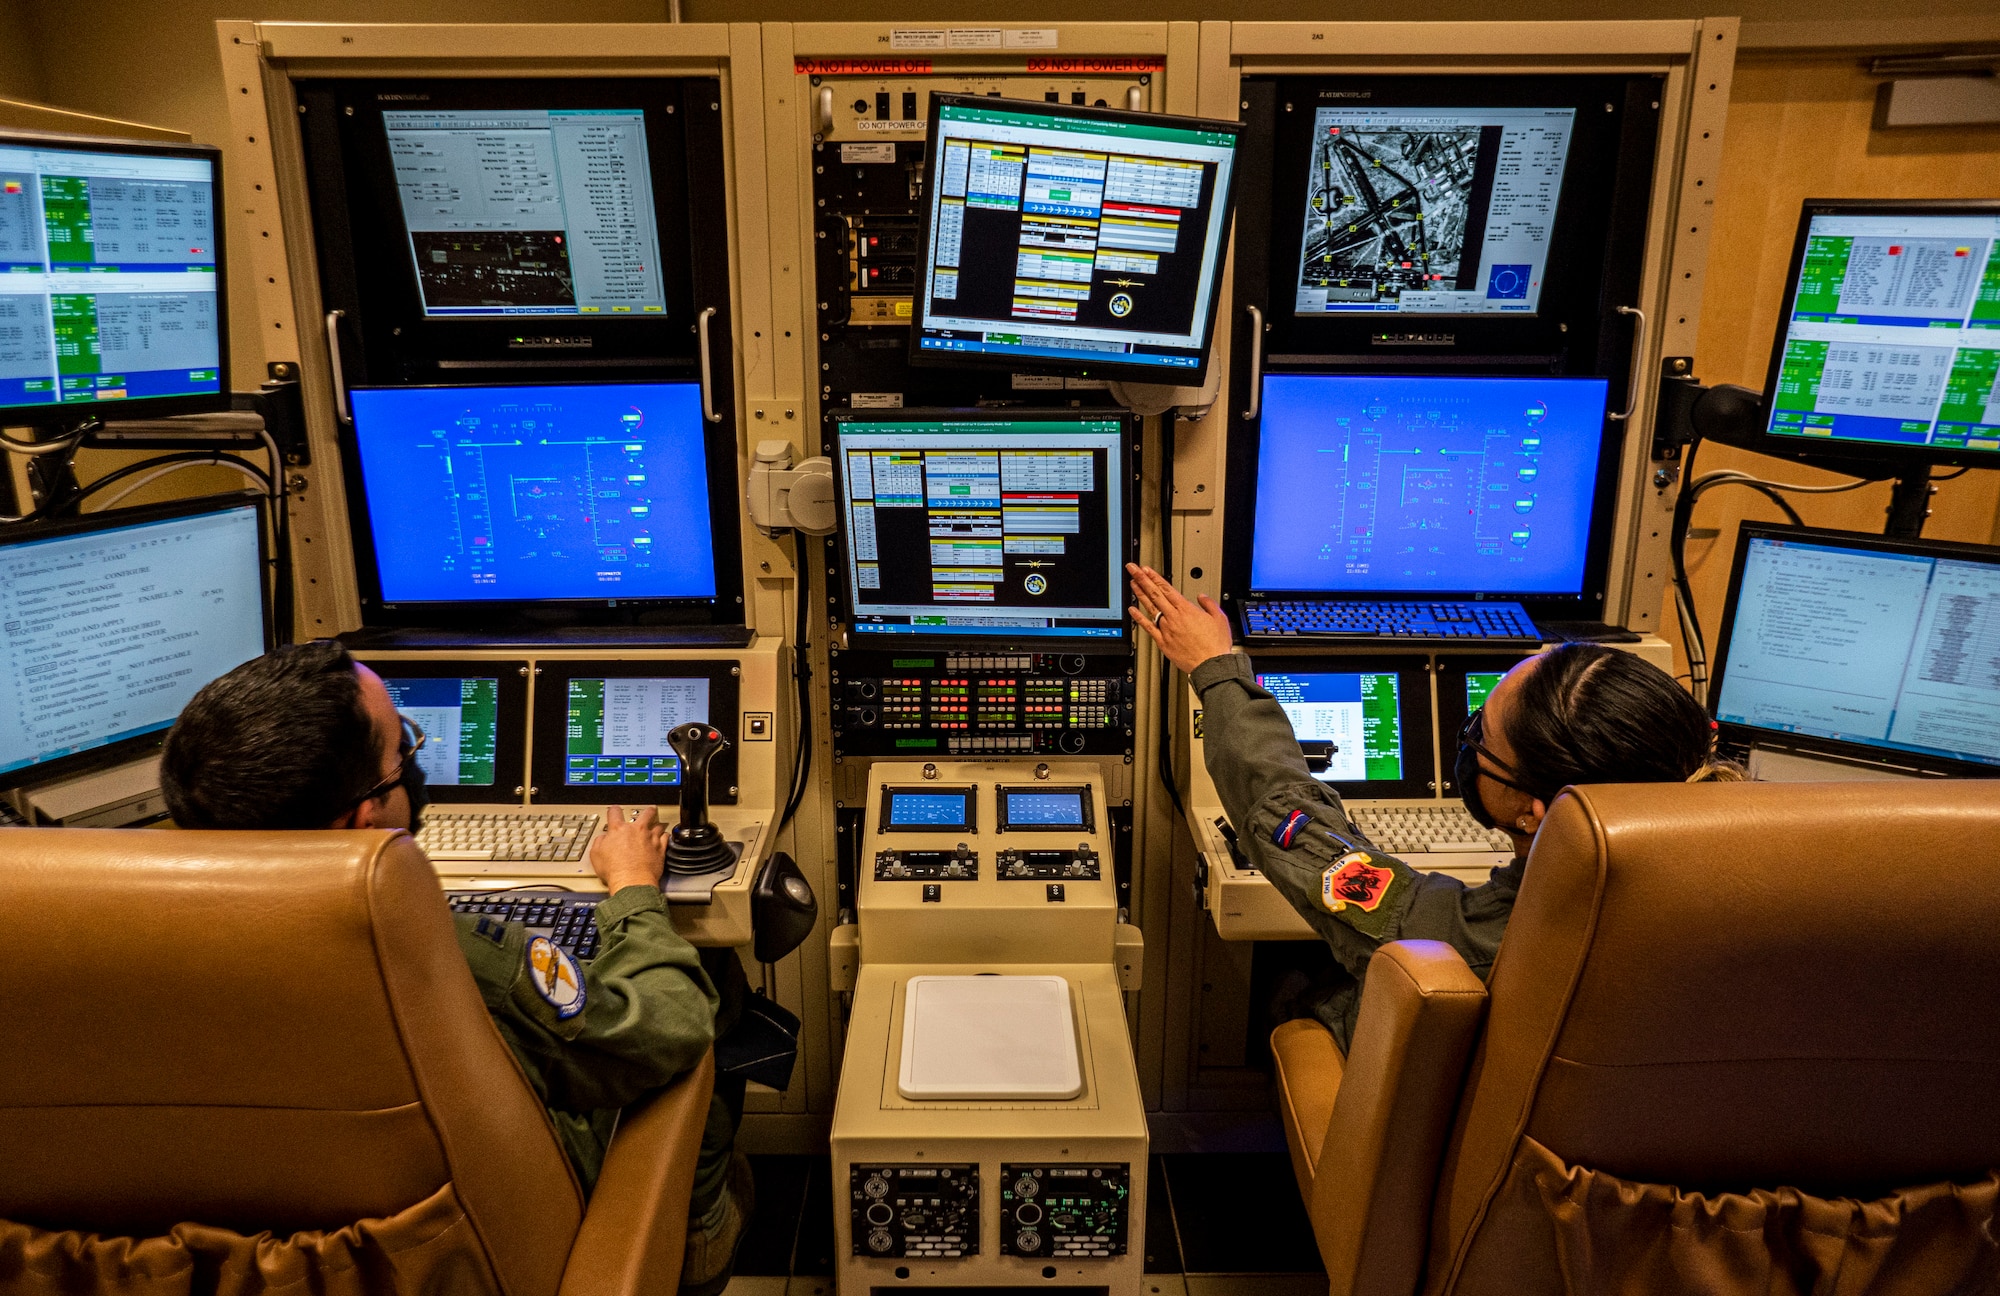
<point x="802" y="669"/>
<point x="130" y="470"/>
<point x="1954" y="476"/>
<point x="169" y="471"/>
<point x="30" y="449"/>
<point x="1168" y="424"/>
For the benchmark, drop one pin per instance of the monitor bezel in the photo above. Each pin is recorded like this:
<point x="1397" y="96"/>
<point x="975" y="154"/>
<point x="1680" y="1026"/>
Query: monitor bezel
<point x="1452" y="668"/>
<point x="843" y="603"/>
<point x="141" y="746"/>
<point x="510" y="763"/>
<point x="1855" y="456"/>
<point x="1124" y="371"/>
<point x="1004" y="793"/>
<point x="1743" y="737"/>
<point x="968" y="792"/>
<point x="1596" y="246"/>
<point x="1240" y="518"/>
<point x="58" y="414"/>
<point x="549" y="727"/>
<point x="1413" y="672"/>
<point x="488" y="615"/>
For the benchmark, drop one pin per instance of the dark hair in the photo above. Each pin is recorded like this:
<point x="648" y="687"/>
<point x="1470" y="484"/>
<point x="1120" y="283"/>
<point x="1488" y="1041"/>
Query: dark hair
<point x="281" y="742"/>
<point x="1590" y="714"/>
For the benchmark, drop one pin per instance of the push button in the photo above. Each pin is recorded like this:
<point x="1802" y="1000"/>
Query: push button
<point x="933" y="893"/>
<point x="1055" y="893"/>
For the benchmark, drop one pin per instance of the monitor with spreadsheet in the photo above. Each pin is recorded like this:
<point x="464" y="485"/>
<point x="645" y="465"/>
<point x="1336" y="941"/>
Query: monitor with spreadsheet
<point x="1369" y="486"/>
<point x="993" y="527"/>
<point x="474" y="714"/>
<point x="580" y="495"/>
<point x="113" y="621"/>
<point x="600" y="728"/>
<point x="1088" y="240"/>
<point x="1890" y="342"/>
<point x="1367" y="718"/>
<point x="111" y="289"/>
<point x="1862" y="647"/>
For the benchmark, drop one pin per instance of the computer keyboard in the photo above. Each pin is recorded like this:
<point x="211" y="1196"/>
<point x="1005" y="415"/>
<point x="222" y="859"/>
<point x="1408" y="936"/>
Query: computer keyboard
<point x="455" y="835"/>
<point x="1435" y="829"/>
<point x="568" y="918"/>
<point x="1372" y="620"/>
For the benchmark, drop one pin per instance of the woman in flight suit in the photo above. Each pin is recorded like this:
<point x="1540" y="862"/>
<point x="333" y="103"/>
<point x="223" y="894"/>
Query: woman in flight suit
<point x="1579" y="713"/>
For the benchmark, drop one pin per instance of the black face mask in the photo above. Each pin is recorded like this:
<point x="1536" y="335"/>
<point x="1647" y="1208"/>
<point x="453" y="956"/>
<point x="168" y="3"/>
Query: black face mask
<point x="417" y="788"/>
<point x="1466" y="769"/>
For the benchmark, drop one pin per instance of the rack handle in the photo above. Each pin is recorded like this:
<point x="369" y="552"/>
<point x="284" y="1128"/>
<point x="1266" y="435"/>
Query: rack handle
<point x="1638" y="358"/>
<point x="1256" y="364"/>
<point x="707" y="400"/>
<point x="333" y="318"/>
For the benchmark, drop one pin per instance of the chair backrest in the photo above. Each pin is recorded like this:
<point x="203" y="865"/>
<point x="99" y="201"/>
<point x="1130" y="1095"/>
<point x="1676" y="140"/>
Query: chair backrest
<point x="1730" y="987"/>
<point x="258" y="1031"/>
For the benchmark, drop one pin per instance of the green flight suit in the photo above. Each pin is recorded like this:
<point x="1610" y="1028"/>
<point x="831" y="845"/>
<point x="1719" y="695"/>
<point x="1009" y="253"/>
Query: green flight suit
<point x="648" y="1015"/>
<point x="1355" y="897"/>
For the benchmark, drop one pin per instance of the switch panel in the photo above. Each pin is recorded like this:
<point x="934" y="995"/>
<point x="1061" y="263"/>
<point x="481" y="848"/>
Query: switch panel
<point x="1064" y="1210"/>
<point x="1019" y="704"/>
<point x="1079" y="865"/>
<point x="903" y="1211"/>
<point x="960" y="865"/>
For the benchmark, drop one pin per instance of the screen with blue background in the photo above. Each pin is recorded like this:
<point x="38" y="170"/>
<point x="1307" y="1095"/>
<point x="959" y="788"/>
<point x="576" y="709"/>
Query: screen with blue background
<point x="504" y="493"/>
<point x="927" y="810"/>
<point x="1426" y="485"/>
<point x="1045" y="809"/>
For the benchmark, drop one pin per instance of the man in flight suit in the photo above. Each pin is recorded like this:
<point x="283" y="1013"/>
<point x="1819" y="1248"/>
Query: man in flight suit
<point x="308" y="738"/>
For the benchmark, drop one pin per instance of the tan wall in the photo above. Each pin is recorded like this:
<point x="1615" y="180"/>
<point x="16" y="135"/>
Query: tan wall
<point x="1801" y="128"/>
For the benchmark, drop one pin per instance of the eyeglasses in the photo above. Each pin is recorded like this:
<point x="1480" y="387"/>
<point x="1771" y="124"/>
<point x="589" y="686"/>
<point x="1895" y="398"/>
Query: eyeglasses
<point x="1473" y="734"/>
<point x="412" y="743"/>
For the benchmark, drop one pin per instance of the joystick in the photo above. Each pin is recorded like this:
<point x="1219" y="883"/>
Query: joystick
<point x="695" y="845"/>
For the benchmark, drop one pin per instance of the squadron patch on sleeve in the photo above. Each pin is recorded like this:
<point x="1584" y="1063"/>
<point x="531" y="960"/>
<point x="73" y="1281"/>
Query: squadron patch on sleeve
<point x="1355" y="880"/>
<point x="556" y="977"/>
<point x="1289" y="828"/>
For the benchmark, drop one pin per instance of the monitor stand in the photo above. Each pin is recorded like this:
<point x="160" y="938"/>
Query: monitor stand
<point x="118" y="797"/>
<point x="709" y="636"/>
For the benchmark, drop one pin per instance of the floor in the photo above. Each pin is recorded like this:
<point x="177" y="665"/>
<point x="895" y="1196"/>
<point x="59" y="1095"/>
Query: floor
<point x="1217" y="1224"/>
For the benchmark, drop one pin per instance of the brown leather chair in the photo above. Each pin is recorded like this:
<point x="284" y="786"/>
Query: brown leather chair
<point x="240" y="1060"/>
<point x="1740" y="1037"/>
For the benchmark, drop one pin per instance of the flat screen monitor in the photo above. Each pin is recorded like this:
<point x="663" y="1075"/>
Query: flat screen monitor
<point x="991" y="528"/>
<point x="1863" y="647"/>
<point x="111" y="294"/>
<point x="1086" y="240"/>
<point x="1367" y="719"/>
<point x="581" y="496"/>
<point x="1044" y="809"/>
<point x="931" y="810"/>
<point x="474" y="715"/>
<point x="1412" y="486"/>
<point x="600" y="727"/>
<point x="1890" y="342"/>
<point x="110" y="623"/>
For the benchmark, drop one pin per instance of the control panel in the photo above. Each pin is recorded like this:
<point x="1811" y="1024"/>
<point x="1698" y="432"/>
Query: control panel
<point x="1064" y="1210"/>
<point x="1000" y="704"/>
<point x="1049" y="865"/>
<point x="905" y="1211"/>
<point x="955" y="865"/>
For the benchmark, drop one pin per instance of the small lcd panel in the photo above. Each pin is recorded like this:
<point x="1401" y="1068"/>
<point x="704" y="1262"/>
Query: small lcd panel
<point x="1352" y="718"/>
<point x="1892" y="333"/>
<point x="1073" y="238"/>
<point x="617" y="729"/>
<point x="1479" y="686"/>
<point x="461" y="722"/>
<point x="1430" y="211"/>
<point x="1408" y="486"/>
<point x="1045" y="809"/>
<point x="927" y="810"/>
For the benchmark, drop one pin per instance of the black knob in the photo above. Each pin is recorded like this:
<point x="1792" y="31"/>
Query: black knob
<point x="866" y="715"/>
<point x="1072" y="665"/>
<point x="1028" y="1213"/>
<point x="880" y="1213"/>
<point x="1071" y="741"/>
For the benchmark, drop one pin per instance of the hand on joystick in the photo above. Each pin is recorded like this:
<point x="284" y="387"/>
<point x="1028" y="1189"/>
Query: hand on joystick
<point x="696" y="845"/>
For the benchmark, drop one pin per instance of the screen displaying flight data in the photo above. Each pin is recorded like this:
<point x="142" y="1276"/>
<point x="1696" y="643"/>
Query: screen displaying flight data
<point x="106" y="634"/>
<point x="1431" y="211"/>
<point x="1065" y="235"/>
<point x="922" y="811"/>
<point x="1897" y="651"/>
<point x="1893" y="335"/>
<point x="1356" y="717"/>
<point x="1479" y="686"/>
<point x="461" y="723"/>
<point x="1057" y="809"/>
<point x="516" y="493"/>
<point x="617" y="729"/>
<point x="107" y="276"/>
<point x="529" y="211"/>
<point x="994" y="527"/>
<point x="1426" y="485"/>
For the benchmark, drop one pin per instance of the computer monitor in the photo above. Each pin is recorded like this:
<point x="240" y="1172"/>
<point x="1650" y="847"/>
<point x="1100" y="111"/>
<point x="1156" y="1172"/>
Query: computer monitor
<point x="1890" y="344"/>
<point x="1084" y="240"/>
<point x="600" y="729"/>
<point x="474" y="714"/>
<point x="574" y="501"/>
<point x="995" y="528"/>
<point x="111" y="280"/>
<point x="109" y="623"/>
<point x="1367" y="718"/>
<point x="1885" y="651"/>
<point x="1394" y="487"/>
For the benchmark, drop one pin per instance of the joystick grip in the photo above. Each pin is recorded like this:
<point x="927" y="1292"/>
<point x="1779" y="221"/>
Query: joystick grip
<point x="696" y="745"/>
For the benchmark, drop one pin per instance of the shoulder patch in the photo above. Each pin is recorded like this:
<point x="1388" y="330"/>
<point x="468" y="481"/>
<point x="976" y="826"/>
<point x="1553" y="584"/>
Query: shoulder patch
<point x="1355" y="880"/>
<point x="491" y="930"/>
<point x="556" y="977"/>
<point x="1289" y="828"/>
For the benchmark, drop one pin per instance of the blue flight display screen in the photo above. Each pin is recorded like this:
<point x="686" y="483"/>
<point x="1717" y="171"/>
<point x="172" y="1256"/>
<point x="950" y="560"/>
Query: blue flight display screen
<point x="1426" y="485"/>
<point x="928" y="810"/>
<point x="515" y="493"/>
<point x="1044" y="809"/>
